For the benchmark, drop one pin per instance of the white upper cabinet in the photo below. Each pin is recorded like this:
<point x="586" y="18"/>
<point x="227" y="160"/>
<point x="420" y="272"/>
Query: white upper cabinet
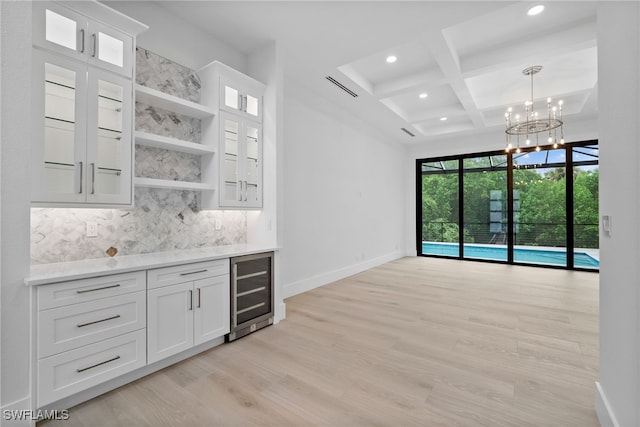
<point x="241" y="97"/>
<point x="82" y="147"/>
<point x="240" y="162"/>
<point x="65" y="31"/>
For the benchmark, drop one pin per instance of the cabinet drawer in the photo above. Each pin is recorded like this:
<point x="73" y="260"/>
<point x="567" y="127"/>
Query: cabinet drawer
<point x="73" y="292"/>
<point x="67" y="373"/>
<point x="65" y="328"/>
<point x="165" y="276"/>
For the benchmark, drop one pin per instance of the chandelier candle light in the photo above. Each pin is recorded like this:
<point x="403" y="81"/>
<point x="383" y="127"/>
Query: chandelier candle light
<point x="533" y="123"/>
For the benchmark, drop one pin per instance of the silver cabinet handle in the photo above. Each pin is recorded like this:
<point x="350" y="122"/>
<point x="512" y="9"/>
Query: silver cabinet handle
<point x="82" y="325"/>
<point x="239" y="102"/>
<point x="194" y="272"/>
<point x="82" y="40"/>
<point x="80" y="190"/>
<point x="240" y="191"/>
<point x="246" y="190"/>
<point x="93" y="178"/>
<point x="244" y="106"/>
<point x="97" y="364"/>
<point x="199" y="298"/>
<point x="98" y="289"/>
<point x="95" y="45"/>
<point x="190" y="299"/>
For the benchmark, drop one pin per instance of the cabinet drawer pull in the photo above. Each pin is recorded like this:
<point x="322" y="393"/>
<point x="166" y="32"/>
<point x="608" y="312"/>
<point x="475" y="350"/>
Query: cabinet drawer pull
<point x="198" y="297"/>
<point x="190" y="299"/>
<point x="82" y="325"/>
<point x="97" y="289"/>
<point x="97" y="364"/>
<point x="194" y="272"/>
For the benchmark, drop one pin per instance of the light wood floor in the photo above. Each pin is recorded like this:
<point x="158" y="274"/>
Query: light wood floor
<point x="415" y="342"/>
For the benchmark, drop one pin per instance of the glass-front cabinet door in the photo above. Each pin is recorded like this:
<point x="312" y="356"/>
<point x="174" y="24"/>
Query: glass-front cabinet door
<point x="109" y="138"/>
<point x="64" y="31"/>
<point x="81" y="150"/>
<point x="241" y="178"/>
<point x="252" y="165"/>
<point x="60" y="109"/>
<point x="240" y="99"/>
<point x="230" y="183"/>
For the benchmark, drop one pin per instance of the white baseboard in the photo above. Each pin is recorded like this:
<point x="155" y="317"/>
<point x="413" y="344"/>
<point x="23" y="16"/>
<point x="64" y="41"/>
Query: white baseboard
<point x="305" y="285"/>
<point x="603" y="409"/>
<point x="18" y="409"/>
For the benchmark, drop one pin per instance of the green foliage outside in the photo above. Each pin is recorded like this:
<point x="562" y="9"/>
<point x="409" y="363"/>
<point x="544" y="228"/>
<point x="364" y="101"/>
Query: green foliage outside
<point x="541" y="220"/>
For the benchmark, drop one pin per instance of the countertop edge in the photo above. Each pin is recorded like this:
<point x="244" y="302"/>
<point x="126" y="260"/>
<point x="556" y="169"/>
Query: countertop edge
<point x="44" y="274"/>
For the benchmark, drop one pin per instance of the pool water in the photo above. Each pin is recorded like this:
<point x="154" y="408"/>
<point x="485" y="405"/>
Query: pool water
<point x="539" y="256"/>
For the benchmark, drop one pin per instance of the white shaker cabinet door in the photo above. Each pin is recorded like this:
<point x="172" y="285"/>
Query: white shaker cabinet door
<point x="169" y="320"/>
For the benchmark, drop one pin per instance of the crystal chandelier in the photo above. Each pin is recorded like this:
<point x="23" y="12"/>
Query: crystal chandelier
<point x="532" y="123"/>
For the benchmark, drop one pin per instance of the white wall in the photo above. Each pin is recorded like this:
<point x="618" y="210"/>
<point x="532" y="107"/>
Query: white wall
<point x="173" y="38"/>
<point x="618" y="393"/>
<point x="14" y="264"/>
<point x="344" y="205"/>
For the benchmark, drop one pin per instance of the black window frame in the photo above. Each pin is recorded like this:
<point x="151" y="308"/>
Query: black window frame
<point x="509" y="166"/>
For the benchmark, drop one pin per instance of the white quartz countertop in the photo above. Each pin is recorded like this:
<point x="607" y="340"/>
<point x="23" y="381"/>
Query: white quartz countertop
<point x="43" y="274"/>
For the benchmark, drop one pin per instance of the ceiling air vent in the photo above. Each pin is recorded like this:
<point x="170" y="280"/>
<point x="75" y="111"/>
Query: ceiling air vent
<point x="341" y="86"/>
<point x="407" y="132"/>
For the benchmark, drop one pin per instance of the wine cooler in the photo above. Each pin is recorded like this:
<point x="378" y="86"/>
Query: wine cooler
<point x="251" y="294"/>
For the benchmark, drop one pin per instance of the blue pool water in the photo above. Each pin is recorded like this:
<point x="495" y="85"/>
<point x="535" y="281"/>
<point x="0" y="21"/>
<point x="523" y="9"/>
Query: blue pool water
<point x="539" y="256"/>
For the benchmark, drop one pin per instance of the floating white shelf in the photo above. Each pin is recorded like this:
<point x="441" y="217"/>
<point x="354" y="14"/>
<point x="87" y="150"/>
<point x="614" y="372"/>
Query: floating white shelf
<point x="171" y="185"/>
<point x="159" y="141"/>
<point x="172" y="103"/>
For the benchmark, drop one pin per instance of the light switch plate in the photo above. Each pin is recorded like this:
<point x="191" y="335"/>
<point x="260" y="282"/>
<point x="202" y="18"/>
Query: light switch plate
<point x="218" y="224"/>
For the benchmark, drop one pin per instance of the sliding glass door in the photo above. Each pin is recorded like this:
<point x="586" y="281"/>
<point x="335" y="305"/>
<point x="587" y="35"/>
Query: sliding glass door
<point x="485" y="207"/>
<point x="539" y="208"/>
<point x="439" y="205"/>
<point x="531" y="207"/>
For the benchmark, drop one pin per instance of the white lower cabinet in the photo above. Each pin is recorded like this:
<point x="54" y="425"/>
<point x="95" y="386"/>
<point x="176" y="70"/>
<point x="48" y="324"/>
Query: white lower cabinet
<point x="89" y="331"/>
<point x="73" y="371"/>
<point x="187" y="305"/>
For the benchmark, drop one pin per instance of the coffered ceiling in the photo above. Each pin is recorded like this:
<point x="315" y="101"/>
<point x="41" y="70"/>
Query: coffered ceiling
<point x="467" y="57"/>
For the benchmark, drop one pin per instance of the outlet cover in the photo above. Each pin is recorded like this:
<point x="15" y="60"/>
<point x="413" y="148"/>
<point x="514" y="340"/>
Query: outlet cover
<point x="218" y="224"/>
<point x="92" y="229"/>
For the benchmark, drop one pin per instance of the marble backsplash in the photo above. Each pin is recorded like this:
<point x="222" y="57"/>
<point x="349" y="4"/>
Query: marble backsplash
<point x="160" y="220"/>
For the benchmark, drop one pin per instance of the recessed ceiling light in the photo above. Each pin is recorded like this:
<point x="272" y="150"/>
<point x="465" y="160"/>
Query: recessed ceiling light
<point x="423" y="95"/>
<point x="391" y="59"/>
<point x="535" y="10"/>
<point x="442" y="119"/>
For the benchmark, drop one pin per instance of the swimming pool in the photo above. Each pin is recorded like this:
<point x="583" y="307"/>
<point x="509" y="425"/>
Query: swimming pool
<point x="538" y="256"/>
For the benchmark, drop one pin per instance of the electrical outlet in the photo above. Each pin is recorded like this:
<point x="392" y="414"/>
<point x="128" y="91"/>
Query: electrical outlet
<point x="217" y="224"/>
<point x="92" y="229"/>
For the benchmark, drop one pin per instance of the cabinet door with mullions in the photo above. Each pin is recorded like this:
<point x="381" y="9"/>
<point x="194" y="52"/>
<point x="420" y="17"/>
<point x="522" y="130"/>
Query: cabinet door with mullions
<point x="62" y="30"/>
<point x="109" y="140"/>
<point x="59" y="115"/>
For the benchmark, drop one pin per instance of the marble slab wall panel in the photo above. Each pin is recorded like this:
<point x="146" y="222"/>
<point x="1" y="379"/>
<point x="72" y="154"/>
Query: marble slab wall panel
<point x="161" y="220"/>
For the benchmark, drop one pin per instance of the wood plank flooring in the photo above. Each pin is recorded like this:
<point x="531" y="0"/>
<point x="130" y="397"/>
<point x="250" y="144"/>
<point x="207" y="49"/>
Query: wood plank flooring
<point x="415" y="342"/>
